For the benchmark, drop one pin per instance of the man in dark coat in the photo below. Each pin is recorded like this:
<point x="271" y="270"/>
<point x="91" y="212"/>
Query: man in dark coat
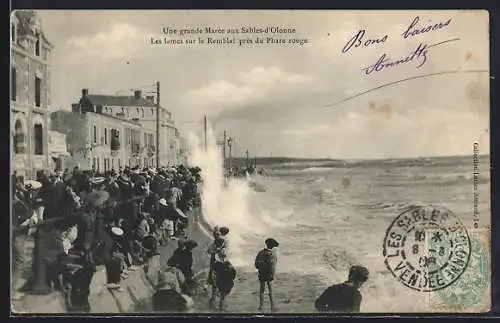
<point x="344" y="297"/>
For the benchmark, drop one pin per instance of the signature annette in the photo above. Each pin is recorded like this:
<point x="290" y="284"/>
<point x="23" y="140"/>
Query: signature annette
<point x="419" y="54"/>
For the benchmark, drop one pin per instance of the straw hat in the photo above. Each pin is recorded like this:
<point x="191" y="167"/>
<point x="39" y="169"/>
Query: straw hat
<point x="32" y="184"/>
<point x="117" y="231"/>
<point x="97" y="199"/>
<point x="163" y="202"/>
<point x="97" y="180"/>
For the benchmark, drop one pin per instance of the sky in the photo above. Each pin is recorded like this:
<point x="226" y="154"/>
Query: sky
<point x="287" y="99"/>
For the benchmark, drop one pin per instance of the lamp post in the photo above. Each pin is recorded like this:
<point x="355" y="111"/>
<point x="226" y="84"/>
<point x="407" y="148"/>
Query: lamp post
<point x="230" y="145"/>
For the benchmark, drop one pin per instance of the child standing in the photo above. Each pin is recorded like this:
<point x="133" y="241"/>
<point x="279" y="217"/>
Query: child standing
<point x="265" y="263"/>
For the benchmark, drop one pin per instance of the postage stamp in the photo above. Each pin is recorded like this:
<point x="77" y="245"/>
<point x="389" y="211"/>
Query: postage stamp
<point x="471" y="291"/>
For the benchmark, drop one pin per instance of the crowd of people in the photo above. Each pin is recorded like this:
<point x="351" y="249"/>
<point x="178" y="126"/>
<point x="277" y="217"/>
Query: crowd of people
<point x="82" y="219"/>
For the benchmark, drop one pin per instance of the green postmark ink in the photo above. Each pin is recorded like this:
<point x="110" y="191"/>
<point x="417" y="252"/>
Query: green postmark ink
<point x="470" y="291"/>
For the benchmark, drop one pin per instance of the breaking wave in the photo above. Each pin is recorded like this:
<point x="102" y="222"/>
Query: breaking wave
<point x="233" y="203"/>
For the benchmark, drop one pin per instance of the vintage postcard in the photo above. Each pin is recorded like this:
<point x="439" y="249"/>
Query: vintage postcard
<point x="250" y="162"/>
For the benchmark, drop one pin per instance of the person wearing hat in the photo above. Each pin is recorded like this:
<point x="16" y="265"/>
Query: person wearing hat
<point x="116" y="263"/>
<point x="344" y="297"/>
<point x="85" y="245"/>
<point x="166" y="223"/>
<point x="151" y="201"/>
<point x="174" y="195"/>
<point x="59" y="207"/>
<point x="168" y="296"/>
<point x="265" y="263"/>
<point x="87" y="237"/>
<point x="218" y="253"/>
<point x="225" y="275"/>
<point x="223" y="231"/>
<point x="182" y="258"/>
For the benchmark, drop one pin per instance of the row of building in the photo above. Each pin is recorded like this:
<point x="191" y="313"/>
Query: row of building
<point x="103" y="132"/>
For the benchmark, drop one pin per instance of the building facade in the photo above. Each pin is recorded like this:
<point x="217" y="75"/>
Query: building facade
<point x="142" y="111"/>
<point x="30" y="94"/>
<point x="57" y="150"/>
<point x="101" y="142"/>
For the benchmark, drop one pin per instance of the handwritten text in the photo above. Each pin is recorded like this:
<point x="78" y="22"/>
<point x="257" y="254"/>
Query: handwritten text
<point x="413" y="30"/>
<point x="358" y="41"/>
<point x="419" y="55"/>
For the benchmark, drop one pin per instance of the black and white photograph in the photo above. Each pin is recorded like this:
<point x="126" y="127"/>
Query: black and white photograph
<point x="250" y="162"/>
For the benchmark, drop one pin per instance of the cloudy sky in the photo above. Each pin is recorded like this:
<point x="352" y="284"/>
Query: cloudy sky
<point x="284" y="99"/>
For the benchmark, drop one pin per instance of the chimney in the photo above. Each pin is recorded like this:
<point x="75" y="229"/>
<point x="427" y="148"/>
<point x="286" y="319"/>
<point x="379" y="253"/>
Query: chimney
<point x="85" y="92"/>
<point x="150" y="98"/>
<point x="137" y="94"/>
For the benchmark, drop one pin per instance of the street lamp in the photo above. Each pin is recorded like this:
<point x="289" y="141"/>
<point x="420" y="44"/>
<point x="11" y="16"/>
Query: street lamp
<point x="230" y="144"/>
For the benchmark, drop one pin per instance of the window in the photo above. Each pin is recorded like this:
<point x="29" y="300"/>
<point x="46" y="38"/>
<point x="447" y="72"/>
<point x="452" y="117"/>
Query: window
<point x="38" y="132"/>
<point x="143" y="113"/>
<point x="19" y="138"/>
<point x="119" y="163"/>
<point x="13" y="32"/>
<point x="145" y="162"/>
<point x="95" y="134"/>
<point x="137" y="111"/>
<point x="112" y="163"/>
<point x="146" y="140"/>
<point x="13" y="84"/>
<point x="38" y="91"/>
<point x="37" y="44"/>
<point x="106" y="136"/>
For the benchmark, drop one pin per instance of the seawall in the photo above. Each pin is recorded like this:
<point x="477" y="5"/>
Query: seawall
<point x="138" y="287"/>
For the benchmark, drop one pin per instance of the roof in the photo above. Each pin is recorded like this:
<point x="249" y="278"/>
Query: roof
<point x="27" y="19"/>
<point x="116" y="100"/>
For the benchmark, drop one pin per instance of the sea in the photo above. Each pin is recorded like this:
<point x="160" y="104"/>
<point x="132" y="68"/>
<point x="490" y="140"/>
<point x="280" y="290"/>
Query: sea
<point x="330" y="215"/>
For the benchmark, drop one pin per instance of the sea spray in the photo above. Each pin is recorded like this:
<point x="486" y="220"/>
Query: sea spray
<point x="223" y="205"/>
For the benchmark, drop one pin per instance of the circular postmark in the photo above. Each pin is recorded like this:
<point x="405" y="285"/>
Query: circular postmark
<point x="427" y="248"/>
